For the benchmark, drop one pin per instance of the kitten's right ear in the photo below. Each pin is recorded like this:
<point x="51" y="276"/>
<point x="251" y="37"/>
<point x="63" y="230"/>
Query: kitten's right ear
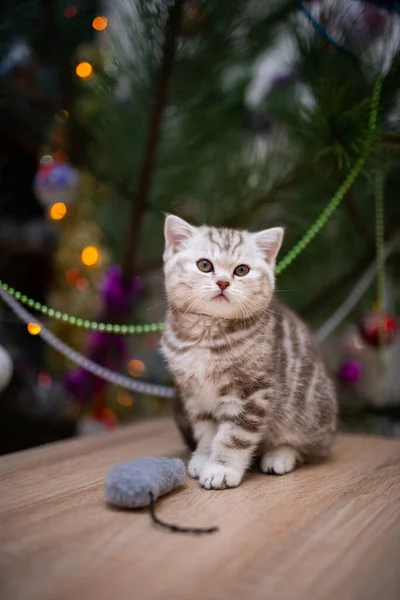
<point x="177" y="232"/>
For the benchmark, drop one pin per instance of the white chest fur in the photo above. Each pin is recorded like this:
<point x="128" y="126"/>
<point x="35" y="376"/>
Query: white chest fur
<point x="195" y="366"/>
<point x="193" y="363"/>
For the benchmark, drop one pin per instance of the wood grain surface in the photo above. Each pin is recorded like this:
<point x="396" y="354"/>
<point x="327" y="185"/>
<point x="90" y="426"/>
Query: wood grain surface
<point x="330" y="531"/>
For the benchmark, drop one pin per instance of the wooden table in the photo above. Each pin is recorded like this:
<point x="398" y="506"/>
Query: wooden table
<point x="324" y="532"/>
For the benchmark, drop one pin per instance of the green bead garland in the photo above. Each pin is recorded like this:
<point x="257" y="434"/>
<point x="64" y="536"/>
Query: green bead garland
<point x="281" y="266"/>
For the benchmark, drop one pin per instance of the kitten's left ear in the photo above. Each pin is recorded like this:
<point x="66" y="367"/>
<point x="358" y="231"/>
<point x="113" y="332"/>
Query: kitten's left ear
<point x="269" y="241"/>
<point x="177" y="232"/>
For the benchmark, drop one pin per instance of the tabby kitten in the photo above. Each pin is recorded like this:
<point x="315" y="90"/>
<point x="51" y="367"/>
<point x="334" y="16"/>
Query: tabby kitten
<point x="249" y="376"/>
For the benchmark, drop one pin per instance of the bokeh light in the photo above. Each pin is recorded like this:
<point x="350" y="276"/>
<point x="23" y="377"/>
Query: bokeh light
<point x="70" y="12"/>
<point x="111" y="70"/>
<point x="90" y="256"/>
<point x="151" y="342"/>
<point x="82" y="284"/>
<point x="136" y="368"/>
<point x="58" y="211"/>
<point x="61" y="116"/>
<point x="84" y="70"/>
<point x="72" y="275"/>
<point x="99" y="23"/>
<point x="47" y="160"/>
<point x="44" y="379"/>
<point x="107" y="417"/>
<point x="34" y="328"/>
<point x="124" y="398"/>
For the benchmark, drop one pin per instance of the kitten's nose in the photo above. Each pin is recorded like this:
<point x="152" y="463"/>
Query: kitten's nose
<point x="223" y="284"/>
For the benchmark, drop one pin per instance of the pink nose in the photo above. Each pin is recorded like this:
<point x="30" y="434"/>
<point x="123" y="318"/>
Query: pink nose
<point x="223" y="284"/>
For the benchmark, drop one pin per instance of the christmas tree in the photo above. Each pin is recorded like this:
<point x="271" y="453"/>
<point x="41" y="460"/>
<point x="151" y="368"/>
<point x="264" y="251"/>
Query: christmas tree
<point x="262" y="119"/>
<point x="243" y="114"/>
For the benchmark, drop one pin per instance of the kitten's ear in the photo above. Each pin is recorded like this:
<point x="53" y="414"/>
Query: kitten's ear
<point x="270" y="241"/>
<point x="176" y="232"/>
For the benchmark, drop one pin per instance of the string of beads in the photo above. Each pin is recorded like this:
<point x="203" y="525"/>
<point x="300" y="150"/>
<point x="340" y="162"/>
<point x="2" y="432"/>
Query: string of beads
<point x="310" y="234"/>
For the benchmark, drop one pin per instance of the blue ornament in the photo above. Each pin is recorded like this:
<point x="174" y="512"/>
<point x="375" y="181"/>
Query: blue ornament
<point x="57" y="182"/>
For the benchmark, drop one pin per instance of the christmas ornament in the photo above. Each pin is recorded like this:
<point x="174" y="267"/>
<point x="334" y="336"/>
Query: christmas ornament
<point x="376" y="329"/>
<point x="78" y="384"/>
<point x="6" y="368"/>
<point x="118" y="297"/>
<point x="350" y="371"/>
<point x="106" y="349"/>
<point x="105" y="416"/>
<point x="56" y="182"/>
<point x="18" y="55"/>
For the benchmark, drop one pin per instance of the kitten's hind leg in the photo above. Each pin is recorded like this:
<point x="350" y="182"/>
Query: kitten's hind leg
<point x="279" y="461"/>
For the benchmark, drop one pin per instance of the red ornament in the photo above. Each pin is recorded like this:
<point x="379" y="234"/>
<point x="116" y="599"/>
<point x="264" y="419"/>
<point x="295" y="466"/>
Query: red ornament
<point x="105" y="416"/>
<point x="377" y="329"/>
<point x="70" y="12"/>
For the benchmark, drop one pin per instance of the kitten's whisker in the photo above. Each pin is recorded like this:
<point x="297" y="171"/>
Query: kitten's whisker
<point x="250" y="301"/>
<point x="156" y="305"/>
<point x="193" y="304"/>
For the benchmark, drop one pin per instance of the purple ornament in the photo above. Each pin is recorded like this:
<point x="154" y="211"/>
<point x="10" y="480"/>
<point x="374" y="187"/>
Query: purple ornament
<point x="350" y="371"/>
<point x="77" y="383"/>
<point x="100" y="341"/>
<point x="105" y="349"/>
<point x="83" y="385"/>
<point x="118" y="296"/>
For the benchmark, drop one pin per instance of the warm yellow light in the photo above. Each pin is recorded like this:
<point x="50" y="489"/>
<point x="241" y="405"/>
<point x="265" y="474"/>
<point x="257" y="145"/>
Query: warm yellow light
<point x="125" y="399"/>
<point x="90" y="256"/>
<point x="34" y="328"/>
<point x="99" y="23"/>
<point x="136" y="368"/>
<point x="84" y="70"/>
<point x="58" y="211"/>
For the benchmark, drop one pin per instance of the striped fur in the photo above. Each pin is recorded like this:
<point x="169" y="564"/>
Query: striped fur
<point x="250" y="379"/>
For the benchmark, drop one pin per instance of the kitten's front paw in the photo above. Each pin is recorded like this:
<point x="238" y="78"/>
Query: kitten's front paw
<point x="279" y="461"/>
<point x="197" y="464"/>
<point x="218" y="477"/>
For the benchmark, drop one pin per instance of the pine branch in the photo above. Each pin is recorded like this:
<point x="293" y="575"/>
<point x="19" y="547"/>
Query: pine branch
<point x="358" y="221"/>
<point x="332" y="288"/>
<point x="287" y="184"/>
<point x="129" y="262"/>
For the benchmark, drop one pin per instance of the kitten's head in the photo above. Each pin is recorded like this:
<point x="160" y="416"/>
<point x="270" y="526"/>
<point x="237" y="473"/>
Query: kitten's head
<point x="219" y="272"/>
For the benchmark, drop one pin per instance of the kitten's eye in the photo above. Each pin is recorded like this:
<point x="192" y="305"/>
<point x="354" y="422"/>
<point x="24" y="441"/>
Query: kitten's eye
<point x="241" y="270"/>
<point x="205" y="265"/>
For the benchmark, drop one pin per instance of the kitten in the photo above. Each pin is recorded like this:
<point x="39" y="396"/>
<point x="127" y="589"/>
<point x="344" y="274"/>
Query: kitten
<point x="249" y="376"/>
